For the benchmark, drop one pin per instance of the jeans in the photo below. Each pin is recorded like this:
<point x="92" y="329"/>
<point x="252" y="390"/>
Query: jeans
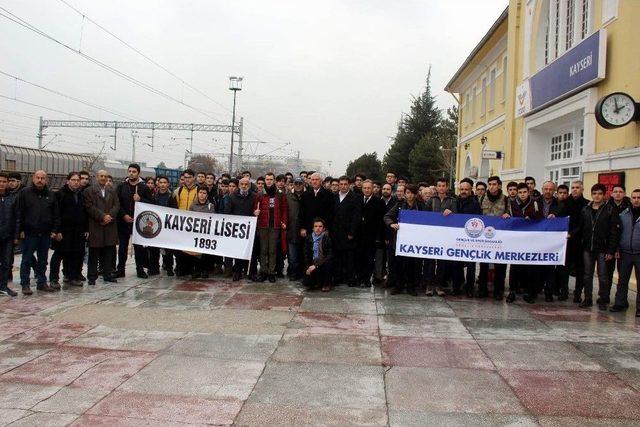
<point x="40" y="246"/>
<point x="591" y="261"/>
<point x="627" y="263"/>
<point x="6" y="250"/>
<point x="294" y="254"/>
<point x="269" y="238"/>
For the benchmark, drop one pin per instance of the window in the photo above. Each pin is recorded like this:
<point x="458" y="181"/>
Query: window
<point x="504" y="78"/>
<point x="562" y="147"/>
<point x="483" y="98"/>
<point x="567" y="145"/>
<point x="556" y="29"/>
<point x="584" y="19"/>
<point x="472" y="112"/>
<point x="581" y="143"/>
<point x="9" y="165"/>
<point x="556" y="148"/>
<point x="467" y="108"/>
<point x="492" y="89"/>
<point x="568" y="30"/>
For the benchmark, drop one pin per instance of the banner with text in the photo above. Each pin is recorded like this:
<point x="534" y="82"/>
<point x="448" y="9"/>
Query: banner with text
<point x="214" y="234"/>
<point x="480" y="238"/>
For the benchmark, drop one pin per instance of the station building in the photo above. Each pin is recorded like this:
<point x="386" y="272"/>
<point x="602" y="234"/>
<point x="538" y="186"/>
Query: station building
<point x="528" y="93"/>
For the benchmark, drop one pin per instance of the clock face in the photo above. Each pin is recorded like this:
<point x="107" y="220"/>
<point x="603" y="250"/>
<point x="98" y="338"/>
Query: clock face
<point x="617" y="109"/>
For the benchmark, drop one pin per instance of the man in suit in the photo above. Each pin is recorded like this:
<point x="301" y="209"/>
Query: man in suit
<point x="371" y="233"/>
<point x="346" y="221"/>
<point x="316" y="202"/>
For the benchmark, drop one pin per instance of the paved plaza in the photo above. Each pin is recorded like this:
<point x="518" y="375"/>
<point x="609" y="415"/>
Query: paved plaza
<point x="179" y="352"/>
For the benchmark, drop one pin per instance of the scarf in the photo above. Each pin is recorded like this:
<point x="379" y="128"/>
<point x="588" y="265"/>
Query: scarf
<point x="493" y="198"/>
<point x="317" y="239"/>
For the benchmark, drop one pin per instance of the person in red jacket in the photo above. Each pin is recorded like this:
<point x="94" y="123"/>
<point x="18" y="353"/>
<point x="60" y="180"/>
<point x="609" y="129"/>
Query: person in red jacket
<point x="272" y="211"/>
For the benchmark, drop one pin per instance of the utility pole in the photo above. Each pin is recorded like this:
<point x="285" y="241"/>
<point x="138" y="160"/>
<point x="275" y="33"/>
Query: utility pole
<point x="40" y="129"/>
<point x="235" y="84"/>
<point x="239" y="165"/>
<point x="134" y="135"/>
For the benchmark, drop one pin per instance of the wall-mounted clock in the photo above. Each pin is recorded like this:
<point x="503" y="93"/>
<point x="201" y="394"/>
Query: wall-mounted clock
<point x="616" y="110"/>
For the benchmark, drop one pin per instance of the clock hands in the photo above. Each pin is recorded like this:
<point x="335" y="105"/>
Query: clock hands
<point x="617" y="109"/>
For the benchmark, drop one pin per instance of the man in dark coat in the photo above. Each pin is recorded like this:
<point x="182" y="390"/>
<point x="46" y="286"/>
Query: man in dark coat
<point x="242" y="203"/>
<point x="162" y="197"/>
<point x="468" y="204"/>
<point x="132" y="190"/>
<point x="73" y="228"/>
<point x="551" y="208"/>
<point x="8" y="233"/>
<point x="346" y="221"/>
<point x="39" y="222"/>
<point x="574" y="261"/>
<point x="384" y="253"/>
<point x="370" y="233"/>
<point x="316" y="202"/>
<point x="102" y="205"/>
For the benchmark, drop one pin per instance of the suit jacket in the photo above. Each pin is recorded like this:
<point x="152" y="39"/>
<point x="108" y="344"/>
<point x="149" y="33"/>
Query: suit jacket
<point x="371" y="224"/>
<point x="346" y="220"/>
<point x="319" y="205"/>
<point x="97" y="207"/>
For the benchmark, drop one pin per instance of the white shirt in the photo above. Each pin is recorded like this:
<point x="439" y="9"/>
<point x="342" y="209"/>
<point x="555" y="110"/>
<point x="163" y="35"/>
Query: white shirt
<point x="342" y="196"/>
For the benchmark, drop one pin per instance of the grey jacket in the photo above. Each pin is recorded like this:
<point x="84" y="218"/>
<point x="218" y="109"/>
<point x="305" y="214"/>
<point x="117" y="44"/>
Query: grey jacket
<point x="203" y="207"/>
<point x="629" y="233"/>
<point x="434" y="204"/>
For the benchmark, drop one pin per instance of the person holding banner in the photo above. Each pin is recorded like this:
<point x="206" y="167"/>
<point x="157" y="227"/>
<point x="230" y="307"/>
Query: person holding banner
<point x="405" y="269"/>
<point x="163" y="197"/>
<point x="551" y="208"/>
<point x="629" y="253"/>
<point x="241" y="203"/>
<point x="466" y="203"/>
<point x="203" y="204"/>
<point x="600" y="225"/>
<point x="493" y="203"/>
<point x="526" y="207"/>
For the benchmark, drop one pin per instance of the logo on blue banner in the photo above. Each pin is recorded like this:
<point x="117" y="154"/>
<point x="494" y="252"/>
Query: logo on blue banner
<point x="474" y="227"/>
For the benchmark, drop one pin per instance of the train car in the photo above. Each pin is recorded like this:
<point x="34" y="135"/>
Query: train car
<point x="172" y="174"/>
<point x="57" y="164"/>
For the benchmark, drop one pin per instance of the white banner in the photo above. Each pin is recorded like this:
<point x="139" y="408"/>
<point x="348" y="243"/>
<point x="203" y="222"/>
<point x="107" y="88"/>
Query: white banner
<point x="479" y="238"/>
<point x="214" y="234"/>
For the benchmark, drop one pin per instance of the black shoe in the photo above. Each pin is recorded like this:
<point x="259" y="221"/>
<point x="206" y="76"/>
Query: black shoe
<point x="602" y="307"/>
<point x="498" y="297"/>
<point x="587" y="303"/>
<point x="45" y="288"/>
<point x="54" y="285"/>
<point x="616" y="308"/>
<point x="204" y="275"/>
<point x="236" y="276"/>
<point x="280" y="275"/>
<point x="170" y="272"/>
<point x="26" y="290"/>
<point x="511" y="297"/>
<point x="119" y="274"/>
<point x="295" y="278"/>
<point x="637" y="313"/>
<point x="195" y="276"/>
<point x="78" y="283"/>
<point x="412" y="292"/>
<point x="272" y="278"/>
<point x="529" y="299"/>
<point x="262" y="278"/>
<point x="6" y="291"/>
<point x="82" y="278"/>
<point x="468" y="292"/>
<point x="577" y="299"/>
<point x="64" y="280"/>
<point x="110" y="279"/>
<point x="365" y="284"/>
<point x="563" y="296"/>
<point x="483" y="294"/>
<point x="455" y="292"/>
<point x="548" y="298"/>
<point x="92" y="282"/>
<point x="253" y="278"/>
<point x="142" y="275"/>
<point x="352" y="284"/>
<point x="396" y="291"/>
<point x="153" y="272"/>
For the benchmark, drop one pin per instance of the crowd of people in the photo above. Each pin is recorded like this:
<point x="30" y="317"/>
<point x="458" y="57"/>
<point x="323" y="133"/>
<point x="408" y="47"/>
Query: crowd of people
<point x="326" y="231"/>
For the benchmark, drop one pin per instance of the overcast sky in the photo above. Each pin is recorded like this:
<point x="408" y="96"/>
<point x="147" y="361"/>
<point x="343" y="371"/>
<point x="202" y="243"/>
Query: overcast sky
<point x="331" y="77"/>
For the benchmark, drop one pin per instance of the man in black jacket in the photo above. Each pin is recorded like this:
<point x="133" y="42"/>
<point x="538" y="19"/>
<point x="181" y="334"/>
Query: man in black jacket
<point x="241" y="203"/>
<point x="574" y="260"/>
<point x="383" y="259"/>
<point x="8" y="233"/>
<point x="39" y="222"/>
<point x="466" y="203"/>
<point x="600" y="225"/>
<point x="162" y="197"/>
<point x="316" y="202"/>
<point x="346" y="220"/>
<point x="371" y="233"/>
<point x="551" y="208"/>
<point x="132" y="190"/>
<point x="619" y="201"/>
<point x="74" y="228"/>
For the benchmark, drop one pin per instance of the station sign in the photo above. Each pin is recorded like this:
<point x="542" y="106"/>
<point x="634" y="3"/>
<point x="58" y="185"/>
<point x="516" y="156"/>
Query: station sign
<point x="491" y="154"/>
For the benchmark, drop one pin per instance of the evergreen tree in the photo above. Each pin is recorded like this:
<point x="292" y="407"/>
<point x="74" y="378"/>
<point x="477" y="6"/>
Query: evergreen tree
<point x="368" y="164"/>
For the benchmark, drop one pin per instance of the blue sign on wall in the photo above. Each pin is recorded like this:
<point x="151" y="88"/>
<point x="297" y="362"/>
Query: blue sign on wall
<point x="577" y="68"/>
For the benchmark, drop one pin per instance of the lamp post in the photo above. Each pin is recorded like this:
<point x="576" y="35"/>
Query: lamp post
<point x="235" y="84"/>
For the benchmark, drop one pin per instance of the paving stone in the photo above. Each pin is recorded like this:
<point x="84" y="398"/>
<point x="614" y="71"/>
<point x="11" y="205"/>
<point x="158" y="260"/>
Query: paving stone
<point x="17" y="395"/>
<point x="9" y="328"/>
<point x="135" y="297"/>
<point x="227" y="321"/>
<point x="167" y="408"/>
<point x="30" y="305"/>
<point x="585" y="422"/>
<point x="126" y="339"/>
<point x="71" y="400"/>
<point x="621" y="359"/>
<point x="320" y="385"/>
<point x="108" y="421"/>
<point x="511" y="329"/>
<point x="538" y="355"/>
<point x="338" y="305"/>
<point x="596" y="332"/>
<point x="84" y="367"/>
<point x="415" y="307"/>
<point x="487" y="309"/>
<point x="7" y="416"/>
<point x="434" y="353"/>
<point x="279" y="288"/>
<point x="328" y="323"/>
<point x="15" y="354"/>
<point x="568" y="314"/>
<point x="431" y="327"/>
<point x="582" y="394"/>
<point x="52" y="332"/>
<point x="43" y="419"/>
<point x="256" y="414"/>
<point x="209" y="286"/>
<point x="181" y="300"/>
<point x="450" y="390"/>
<point x="342" y="291"/>
<point x="299" y="346"/>
<point x="421" y="418"/>
<point x="227" y="346"/>
<point x="181" y="375"/>
<point x="264" y="302"/>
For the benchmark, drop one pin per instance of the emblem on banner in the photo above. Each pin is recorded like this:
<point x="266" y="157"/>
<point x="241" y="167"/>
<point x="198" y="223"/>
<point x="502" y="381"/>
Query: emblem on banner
<point x="148" y="224"/>
<point x="474" y="227"/>
<point x="489" y="232"/>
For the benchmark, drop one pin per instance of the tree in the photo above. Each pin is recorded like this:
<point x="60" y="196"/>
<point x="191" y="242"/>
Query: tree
<point x="426" y="161"/>
<point x="203" y="163"/>
<point x="423" y="120"/>
<point x="368" y="164"/>
<point x="449" y="133"/>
